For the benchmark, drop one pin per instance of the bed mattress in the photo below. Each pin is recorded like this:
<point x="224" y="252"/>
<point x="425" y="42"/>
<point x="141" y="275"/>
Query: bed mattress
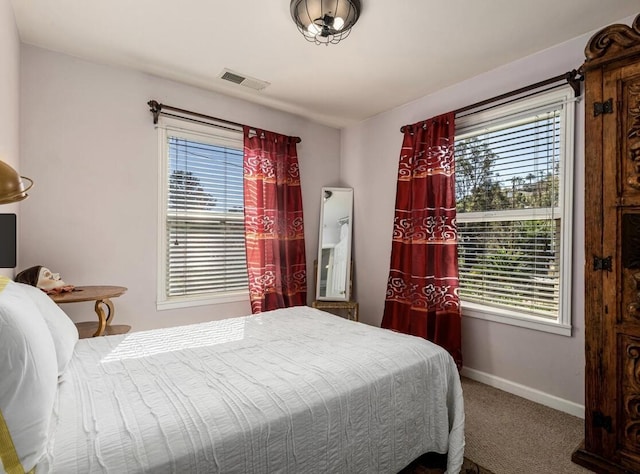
<point x="294" y="391"/>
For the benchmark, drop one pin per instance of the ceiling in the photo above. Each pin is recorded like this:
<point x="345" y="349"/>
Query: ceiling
<point x="397" y="52"/>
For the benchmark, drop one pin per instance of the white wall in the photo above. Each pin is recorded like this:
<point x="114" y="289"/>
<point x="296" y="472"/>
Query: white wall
<point x="9" y="99"/>
<point x="543" y="362"/>
<point x="88" y="140"/>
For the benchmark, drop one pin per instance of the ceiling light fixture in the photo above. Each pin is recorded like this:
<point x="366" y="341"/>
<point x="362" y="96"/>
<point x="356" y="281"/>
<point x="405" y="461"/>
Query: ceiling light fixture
<point x="324" y="22"/>
<point x="12" y="188"/>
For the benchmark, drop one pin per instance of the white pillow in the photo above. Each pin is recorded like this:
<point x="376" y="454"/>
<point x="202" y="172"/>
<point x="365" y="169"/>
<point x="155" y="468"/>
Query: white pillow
<point x="63" y="332"/>
<point x="28" y="378"/>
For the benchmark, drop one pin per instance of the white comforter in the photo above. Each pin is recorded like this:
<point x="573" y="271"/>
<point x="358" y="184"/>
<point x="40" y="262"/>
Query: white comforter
<point x="292" y="391"/>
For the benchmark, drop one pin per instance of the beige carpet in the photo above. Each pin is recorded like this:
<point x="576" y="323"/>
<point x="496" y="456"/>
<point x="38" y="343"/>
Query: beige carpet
<point x="508" y="434"/>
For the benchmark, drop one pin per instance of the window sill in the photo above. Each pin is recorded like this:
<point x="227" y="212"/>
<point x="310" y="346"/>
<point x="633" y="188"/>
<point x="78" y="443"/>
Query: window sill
<point x="496" y="315"/>
<point x="203" y="300"/>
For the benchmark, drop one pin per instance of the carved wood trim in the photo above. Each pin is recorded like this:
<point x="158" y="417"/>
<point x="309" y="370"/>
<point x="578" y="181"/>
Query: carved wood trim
<point x="631" y="399"/>
<point x="634" y="307"/>
<point x="612" y="42"/>
<point x="633" y="134"/>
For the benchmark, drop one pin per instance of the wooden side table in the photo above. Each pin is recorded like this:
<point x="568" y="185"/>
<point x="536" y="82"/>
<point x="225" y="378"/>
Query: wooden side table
<point x="350" y="306"/>
<point x="103" y="307"/>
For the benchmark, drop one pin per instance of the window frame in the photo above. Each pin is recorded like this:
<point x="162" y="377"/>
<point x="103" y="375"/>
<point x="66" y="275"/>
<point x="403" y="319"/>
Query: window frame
<point x="204" y="134"/>
<point x="505" y="113"/>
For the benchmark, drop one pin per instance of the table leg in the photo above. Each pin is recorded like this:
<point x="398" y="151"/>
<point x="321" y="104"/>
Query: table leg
<point x="104" y="317"/>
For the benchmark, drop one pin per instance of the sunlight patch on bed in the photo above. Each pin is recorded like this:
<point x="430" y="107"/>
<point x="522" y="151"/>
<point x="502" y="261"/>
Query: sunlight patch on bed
<point x="148" y="343"/>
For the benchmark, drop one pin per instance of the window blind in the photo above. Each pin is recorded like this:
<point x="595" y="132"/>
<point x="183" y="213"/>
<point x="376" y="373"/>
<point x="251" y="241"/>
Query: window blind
<point x="205" y="252"/>
<point x="508" y="191"/>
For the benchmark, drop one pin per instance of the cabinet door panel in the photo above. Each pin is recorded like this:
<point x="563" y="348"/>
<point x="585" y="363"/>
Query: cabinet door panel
<point x="629" y="352"/>
<point x="630" y="127"/>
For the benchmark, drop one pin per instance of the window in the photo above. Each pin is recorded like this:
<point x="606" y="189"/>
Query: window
<point x="514" y="175"/>
<point x="202" y="255"/>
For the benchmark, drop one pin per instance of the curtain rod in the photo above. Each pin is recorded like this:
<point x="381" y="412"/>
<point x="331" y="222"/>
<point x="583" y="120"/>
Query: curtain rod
<point x="158" y="108"/>
<point x="571" y="77"/>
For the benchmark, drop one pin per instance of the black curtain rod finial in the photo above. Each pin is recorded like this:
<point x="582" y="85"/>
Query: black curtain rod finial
<point x="574" y="81"/>
<point x="156" y="108"/>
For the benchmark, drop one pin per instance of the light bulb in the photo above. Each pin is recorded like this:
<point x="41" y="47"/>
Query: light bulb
<point x="313" y="29"/>
<point x="338" y="23"/>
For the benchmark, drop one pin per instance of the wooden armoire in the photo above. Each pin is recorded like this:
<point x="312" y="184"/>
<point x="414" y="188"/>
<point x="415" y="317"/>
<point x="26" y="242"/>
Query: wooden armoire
<point x="612" y="243"/>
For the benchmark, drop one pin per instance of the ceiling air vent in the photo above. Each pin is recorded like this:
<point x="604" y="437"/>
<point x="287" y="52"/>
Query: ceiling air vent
<point x="236" y="78"/>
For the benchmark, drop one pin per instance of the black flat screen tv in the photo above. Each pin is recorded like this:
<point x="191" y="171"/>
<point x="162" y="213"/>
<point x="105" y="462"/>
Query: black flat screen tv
<point x="7" y="241"/>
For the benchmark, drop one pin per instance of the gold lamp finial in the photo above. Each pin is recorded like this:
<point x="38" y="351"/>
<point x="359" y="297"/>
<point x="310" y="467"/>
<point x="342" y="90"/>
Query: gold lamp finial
<point x="12" y="187"/>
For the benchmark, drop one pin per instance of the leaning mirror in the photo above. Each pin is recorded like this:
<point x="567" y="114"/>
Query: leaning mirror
<point x="334" y="245"/>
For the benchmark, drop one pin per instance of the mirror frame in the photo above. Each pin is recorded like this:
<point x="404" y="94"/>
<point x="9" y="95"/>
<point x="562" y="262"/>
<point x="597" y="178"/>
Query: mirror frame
<point x="349" y="217"/>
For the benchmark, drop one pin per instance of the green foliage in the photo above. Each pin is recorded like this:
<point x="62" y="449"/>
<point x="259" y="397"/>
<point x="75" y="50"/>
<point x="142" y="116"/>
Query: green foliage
<point x="186" y="194"/>
<point x="475" y="187"/>
<point x="480" y="188"/>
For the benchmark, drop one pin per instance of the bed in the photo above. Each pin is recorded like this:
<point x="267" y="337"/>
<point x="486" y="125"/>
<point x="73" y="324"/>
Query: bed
<point x="294" y="390"/>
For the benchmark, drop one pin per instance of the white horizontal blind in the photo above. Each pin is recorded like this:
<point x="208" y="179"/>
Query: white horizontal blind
<point x="509" y="192"/>
<point x="205" y="252"/>
<point x="512" y="264"/>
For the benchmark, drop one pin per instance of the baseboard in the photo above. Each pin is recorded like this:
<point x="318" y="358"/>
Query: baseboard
<point x="523" y="391"/>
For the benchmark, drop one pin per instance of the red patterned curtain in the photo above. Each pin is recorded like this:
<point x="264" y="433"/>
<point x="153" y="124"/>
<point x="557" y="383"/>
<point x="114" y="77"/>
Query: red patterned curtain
<point x="422" y="290"/>
<point x="274" y="230"/>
